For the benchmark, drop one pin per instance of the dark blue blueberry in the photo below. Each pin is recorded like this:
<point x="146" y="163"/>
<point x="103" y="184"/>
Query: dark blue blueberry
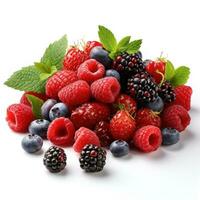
<point x="157" y="105"/>
<point x="58" y="110"/>
<point x="170" y="136"/>
<point x="32" y="143"/>
<point x="101" y="55"/>
<point x="39" y="127"/>
<point x="113" y="73"/>
<point x="46" y="108"/>
<point x="119" y="148"/>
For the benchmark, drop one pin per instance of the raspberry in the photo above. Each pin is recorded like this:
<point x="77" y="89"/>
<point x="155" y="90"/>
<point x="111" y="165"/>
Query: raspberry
<point x="145" y="117"/>
<point x="90" y="71"/>
<point x="85" y="136"/>
<point x="75" y="93"/>
<point x="61" y="132"/>
<point x="58" y="81"/>
<point x="74" y="58"/>
<point x="25" y="101"/>
<point x="147" y="138"/>
<point x="91" y="44"/>
<point x="122" y="125"/>
<point x="175" y="116"/>
<point x="89" y="114"/>
<point x="102" y="129"/>
<point x="19" y="116"/>
<point x="105" y="89"/>
<point x="183" y="96"/>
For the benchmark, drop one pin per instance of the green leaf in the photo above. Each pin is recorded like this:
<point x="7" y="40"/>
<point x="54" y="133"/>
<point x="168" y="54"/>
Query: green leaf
<point x="55" y="53"/>
<point x="169" y="70"/>
<point x="123" y="43"/>
<point x="181" y="76"/>
<point x="134" y="46"/>
<point x="107" y="38"/>
<point x="113" y="54"/>
<point x="44" y="76"/>
<point x="36" y="104"/>
<point x="26" y="79"/>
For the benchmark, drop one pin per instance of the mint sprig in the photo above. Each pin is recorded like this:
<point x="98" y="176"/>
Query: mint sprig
<point x="115" y="48"/>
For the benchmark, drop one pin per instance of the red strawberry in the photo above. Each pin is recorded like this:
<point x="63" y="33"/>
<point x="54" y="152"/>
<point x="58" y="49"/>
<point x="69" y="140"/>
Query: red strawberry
<point x="122" y="125"/>
<point x="145" y="117"/>
<point x="127" y="103"/>
<point x="74" y="58"/>
<point x="91" y="44"/>
<point x="183" y="96"/>
<point x="58" y="81"/>
<point x="89" y="114"/>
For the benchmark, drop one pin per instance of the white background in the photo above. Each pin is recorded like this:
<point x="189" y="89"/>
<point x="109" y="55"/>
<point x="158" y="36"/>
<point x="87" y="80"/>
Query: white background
<point x="27" y="27"/>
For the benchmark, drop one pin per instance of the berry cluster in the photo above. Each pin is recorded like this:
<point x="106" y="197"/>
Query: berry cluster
<point x="99" y="96"/>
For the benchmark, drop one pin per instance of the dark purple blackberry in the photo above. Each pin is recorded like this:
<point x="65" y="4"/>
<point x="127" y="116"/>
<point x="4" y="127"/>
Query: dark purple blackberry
<point x="129" y="63"/>
<point x="92" y="158"/>
<point x="166" y="92"/>
<point x="55" y="159"/>
<point x="142" y="87"/>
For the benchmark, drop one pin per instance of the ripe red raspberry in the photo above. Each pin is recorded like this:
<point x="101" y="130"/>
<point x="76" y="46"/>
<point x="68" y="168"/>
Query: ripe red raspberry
<point x="122" y="126"/>
<point x="102" y="129"/>
<point x="105" y="89"/>
<point x="25" y="101"/>
<point x="183" y="96"/>
<point x="175" y="116"/>
<point x="58" y="81"/>
<point x="74" y="58"/>
<point x="91" y="44"/>
<point x="147" y="138"/>
<point x="90" y="71"/>
<point x="89" y="114"/>
<point x="126" y="102"/>
<point x="85" y="136"/>
<point x="61" y="132"/>
<point x="75" y="93"/>
<point x="19" y="116"/>
<point x="145" y="117"/>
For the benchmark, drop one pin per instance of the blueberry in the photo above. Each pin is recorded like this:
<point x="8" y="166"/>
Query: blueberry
<point x="46" y="108"/>
<point x="157" y="105"/>
<point x="58" y="110"/>
<point x="119" y="148"/>
<point x="39" y="127"/>
<point x="32" y="143"/>
<point x="113" y="73"/>
<point x="139" y="53"/>
<point x="146" y="62"/>
<point x="170" y="136"/>
<point x="101" y="55"/>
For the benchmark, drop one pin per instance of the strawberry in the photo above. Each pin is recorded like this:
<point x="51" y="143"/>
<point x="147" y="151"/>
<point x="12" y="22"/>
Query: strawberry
<point x="74" y="58"/>
<point x="89" y="114"/>
<point x="122" y="125"/>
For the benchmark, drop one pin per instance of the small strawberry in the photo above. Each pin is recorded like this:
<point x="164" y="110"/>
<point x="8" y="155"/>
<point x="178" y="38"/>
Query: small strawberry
<point x="122" y="125"/>
<point x="91" y="44"/>
<point x="74" y="58"/>
<point x="145" y="117"/>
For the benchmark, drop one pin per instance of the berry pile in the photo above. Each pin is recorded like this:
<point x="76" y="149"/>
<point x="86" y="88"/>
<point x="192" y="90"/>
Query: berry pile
<point x="103" y="95"/>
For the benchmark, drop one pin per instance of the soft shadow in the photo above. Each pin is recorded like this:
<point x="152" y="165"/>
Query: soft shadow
<point x="194" y="110"/>
<point x="102" y="174"/>
<point x="156" y="155"/>
<point x="63" y="173"/>
<point x="175" y="147"/>
<point x="40" y="152"/>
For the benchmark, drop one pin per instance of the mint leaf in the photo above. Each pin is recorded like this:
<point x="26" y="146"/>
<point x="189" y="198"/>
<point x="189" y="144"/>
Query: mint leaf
<point x="134" y="46"/>
<point x="26" y="79"/>
<point x="181" y="76"/>
<point x="36" y="104"/>
<point x="44" y="76"/>
<point x="169" y="70"/>
<point x="107" y="38"/>
<point x="55" y="53"/>
<point x="123" y="43"/>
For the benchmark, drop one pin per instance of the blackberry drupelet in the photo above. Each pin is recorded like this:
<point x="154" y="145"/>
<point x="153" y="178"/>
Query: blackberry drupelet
<point x="142" y="87"/>
<point x="166" y="92"/>
<point x="92" y="158"/>
<point x="55" y="159"/>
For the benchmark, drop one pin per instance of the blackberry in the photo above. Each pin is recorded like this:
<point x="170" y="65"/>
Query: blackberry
<point x="166" y="92"/>
<point x="142" y="87"/>
<point x="92" y="158"/>
<point x="129" y="63"/>
<point x="55" y="159"/>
